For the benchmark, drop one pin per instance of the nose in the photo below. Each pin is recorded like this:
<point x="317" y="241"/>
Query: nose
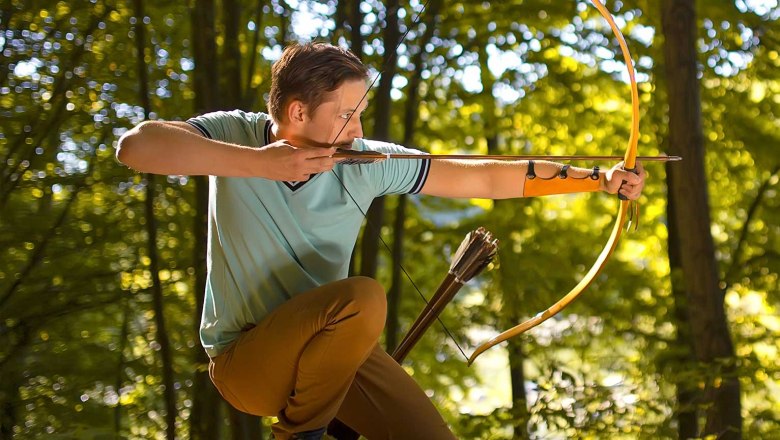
<point x="356" y="128"/>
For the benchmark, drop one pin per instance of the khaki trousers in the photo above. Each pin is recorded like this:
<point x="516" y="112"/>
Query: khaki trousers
<point x="316" y="357"/>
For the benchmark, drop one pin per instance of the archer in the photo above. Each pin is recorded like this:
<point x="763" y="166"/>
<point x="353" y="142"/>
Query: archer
<point x="288" y="334"/>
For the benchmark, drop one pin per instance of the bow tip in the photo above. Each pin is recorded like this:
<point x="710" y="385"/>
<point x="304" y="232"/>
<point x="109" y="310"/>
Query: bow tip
<point x="475" y="355"/>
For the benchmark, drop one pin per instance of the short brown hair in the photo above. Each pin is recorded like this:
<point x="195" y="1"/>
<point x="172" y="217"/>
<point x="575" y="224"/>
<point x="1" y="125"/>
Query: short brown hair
<point x="307" y="72"/>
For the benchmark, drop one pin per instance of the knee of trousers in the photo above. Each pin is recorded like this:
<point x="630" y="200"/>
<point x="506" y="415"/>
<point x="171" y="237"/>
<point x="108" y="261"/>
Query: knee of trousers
<point x="370" y="300"/>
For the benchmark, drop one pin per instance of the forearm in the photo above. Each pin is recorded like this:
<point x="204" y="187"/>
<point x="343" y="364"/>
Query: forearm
<point x="493" y="179"/>
<point x="548" y="178"/>
<point x="171" y="149"/>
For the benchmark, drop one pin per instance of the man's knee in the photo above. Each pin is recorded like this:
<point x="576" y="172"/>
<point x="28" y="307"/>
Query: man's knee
<point x="370" y="300"/>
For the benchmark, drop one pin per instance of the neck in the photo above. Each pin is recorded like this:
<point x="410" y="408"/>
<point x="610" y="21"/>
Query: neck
<point x="282" y="131"/>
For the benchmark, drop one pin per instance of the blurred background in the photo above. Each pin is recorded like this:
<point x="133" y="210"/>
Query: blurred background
<point x="102" y="268"/>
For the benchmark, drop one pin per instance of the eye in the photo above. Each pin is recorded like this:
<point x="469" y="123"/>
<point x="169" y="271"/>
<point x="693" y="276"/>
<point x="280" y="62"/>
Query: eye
<point x="345" y="116"/>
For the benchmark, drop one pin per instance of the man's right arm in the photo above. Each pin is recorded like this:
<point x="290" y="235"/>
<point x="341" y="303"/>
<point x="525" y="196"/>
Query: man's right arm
<point x="177" y="148"/>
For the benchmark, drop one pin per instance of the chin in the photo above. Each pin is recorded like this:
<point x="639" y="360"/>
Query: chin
<point x="345" y="145"/>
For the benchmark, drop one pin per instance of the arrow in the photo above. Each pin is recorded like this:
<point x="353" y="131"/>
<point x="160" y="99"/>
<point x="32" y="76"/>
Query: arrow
<point x="368" y="156"/>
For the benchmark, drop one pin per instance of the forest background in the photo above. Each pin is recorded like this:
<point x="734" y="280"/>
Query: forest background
<point x="102" y="268"/>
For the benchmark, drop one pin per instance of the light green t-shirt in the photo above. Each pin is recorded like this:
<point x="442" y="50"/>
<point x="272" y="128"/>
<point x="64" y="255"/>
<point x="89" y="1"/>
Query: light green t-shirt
<point x="270" y="240"/>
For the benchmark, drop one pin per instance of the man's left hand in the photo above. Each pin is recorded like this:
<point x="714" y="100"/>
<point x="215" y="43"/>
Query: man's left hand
<point x="627" y="183"/>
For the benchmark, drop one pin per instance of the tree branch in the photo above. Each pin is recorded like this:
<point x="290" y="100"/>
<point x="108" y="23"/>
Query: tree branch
<point x="736" y="254"/>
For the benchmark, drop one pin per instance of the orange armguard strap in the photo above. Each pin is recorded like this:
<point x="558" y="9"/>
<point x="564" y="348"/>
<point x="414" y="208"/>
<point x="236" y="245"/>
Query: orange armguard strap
<point x="560" y="184"/>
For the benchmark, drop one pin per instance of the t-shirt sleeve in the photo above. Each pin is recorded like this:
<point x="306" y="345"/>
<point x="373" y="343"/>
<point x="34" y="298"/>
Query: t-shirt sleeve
<point x="234" y="126"/>
<point x="396" y="176"/>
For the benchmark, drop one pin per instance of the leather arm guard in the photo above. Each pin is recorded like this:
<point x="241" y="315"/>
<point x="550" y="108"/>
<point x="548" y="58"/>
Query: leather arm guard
<point x="560" y="184"/>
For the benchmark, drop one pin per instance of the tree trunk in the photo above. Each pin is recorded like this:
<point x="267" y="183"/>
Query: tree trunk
<point x="682" y="359"/>
<point x="688" y="185"/>
<point x="230" y="74"/>
<point x="11" y="384"/>
<point x="204" y="420"/>
<point x="369" y="252"/>
<point x="382" y="101"/>
<point x="356" y="21"/>
<point x="284" y="22"/>
<point x="244" y="426"/>
<point x="251" y="93"/>
<point x="369" y="245"/>
<point x="520" y="414"/>
<point x="204" y="37"/>
<point x="686" y="412"/>
<point x="161" y="335"/>
<point x="392" y="327"/>
<point x="120" y="371"/>
<point x="411" y="114"/>
<point x="9" y="392"/>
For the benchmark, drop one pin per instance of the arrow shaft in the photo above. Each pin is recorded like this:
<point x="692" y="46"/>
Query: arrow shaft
<point x="375" y="155"/>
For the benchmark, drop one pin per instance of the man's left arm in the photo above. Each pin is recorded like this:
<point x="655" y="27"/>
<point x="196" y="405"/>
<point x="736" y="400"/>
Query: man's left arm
<point x="507" y="179"/>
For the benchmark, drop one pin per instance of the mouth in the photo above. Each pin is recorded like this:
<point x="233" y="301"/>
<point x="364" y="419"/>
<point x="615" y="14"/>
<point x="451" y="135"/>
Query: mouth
<point x="345" y="144"/>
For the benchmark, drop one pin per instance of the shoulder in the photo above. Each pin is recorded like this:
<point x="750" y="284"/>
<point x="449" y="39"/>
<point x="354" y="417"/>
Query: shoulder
<point x="384" y="147"/>
<point x="231" y="125"/>
<point x="236" y="115"/>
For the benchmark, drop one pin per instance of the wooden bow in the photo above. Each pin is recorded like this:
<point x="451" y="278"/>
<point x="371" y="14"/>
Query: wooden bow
<point x="626" y="207"/>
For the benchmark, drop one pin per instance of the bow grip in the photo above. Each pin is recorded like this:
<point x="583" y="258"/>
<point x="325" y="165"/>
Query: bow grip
<point x="633" y="170"/>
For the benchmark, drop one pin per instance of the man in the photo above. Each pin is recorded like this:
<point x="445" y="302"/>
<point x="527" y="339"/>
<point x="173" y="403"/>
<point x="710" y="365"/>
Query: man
<point x="287" y="333"/>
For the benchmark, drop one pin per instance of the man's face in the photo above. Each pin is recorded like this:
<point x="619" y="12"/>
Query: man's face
<point x="326" y="124"/>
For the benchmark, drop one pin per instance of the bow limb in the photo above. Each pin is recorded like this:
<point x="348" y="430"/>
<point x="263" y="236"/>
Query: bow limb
<point x="569" y="297"/>
<point x="626" y="206"/>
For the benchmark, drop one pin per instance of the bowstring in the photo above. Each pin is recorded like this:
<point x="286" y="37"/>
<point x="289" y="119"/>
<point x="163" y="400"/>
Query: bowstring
<point x="390" y="59"/>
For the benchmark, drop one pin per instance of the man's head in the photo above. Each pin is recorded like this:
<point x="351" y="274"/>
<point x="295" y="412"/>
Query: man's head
<point x="309" y="73"/>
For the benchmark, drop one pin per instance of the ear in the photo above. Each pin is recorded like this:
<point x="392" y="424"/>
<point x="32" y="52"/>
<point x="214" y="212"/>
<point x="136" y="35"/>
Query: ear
<point x="296" y="111"/>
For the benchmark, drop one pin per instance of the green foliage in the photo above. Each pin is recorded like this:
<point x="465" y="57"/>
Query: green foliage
<point x="78" y="355"/>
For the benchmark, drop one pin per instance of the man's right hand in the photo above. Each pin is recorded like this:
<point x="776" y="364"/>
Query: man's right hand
<point x="283" y="161"/>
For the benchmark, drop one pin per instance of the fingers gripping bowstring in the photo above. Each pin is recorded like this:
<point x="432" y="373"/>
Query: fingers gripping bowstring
<point x="390" y="59"/>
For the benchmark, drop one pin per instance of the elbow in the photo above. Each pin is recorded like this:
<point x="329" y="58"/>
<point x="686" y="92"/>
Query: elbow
<point x="130" y="145"/>
<point x="124" y="147"/>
